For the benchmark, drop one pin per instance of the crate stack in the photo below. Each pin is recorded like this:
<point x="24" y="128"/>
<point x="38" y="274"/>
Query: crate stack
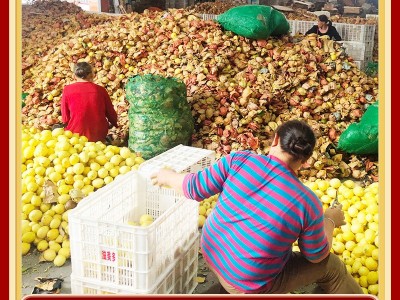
<point x="111" y="256"/>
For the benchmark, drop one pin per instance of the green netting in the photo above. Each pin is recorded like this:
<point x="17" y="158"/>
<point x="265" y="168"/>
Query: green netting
<point x="159" y="114"/>
<point x="254" y="21"/>
<point x="362" y="137"/>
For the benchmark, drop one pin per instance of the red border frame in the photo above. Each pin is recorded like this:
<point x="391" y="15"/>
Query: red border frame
<point x="395" y="164"/>
<point x="5" y="80"/>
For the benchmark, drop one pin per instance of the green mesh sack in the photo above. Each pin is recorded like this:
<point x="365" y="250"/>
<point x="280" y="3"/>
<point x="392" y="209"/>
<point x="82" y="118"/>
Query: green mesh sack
<point x="159" y="114"/>
<point x="254" y="21"/>
<point x="362" y="137"/>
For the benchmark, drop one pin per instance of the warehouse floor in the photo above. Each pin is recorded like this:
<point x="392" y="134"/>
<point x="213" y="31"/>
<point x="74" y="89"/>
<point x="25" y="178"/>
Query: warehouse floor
<point x="32" y="268"/>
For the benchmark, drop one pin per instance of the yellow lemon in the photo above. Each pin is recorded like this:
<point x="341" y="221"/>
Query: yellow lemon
<point x="98" y="183"/>
<point x="375" y="254"/>
<point x="95" y="166"/>
<point x="74" y="159"/>
<point x="349" y="183"/>
<point x="363" y="281"/>
<point x="28" y="237"/>
<point x="146" y="218"/>
<point x="55" y="246"/>
<point x="102" y="173"/>
<point x="352" y="211"/>
<point x="42" y="245"/>
<point x="201" y="220"/>
<point x="363" y="271"/>
<point x="27" y="208"/>
<point x="52" y="234"/>
<point x="348" y="236"/>
<point x="373" y="289"/>
<point x="372" y="277"/>
<point x="79" y="184"/>
<point x="101" y="159"/>
<point x="202" y="210"/>
<point x="25" y="247"/>
<point x="371" y="264"/>
<point x="358" y="191"/>
<point x="42" y="232"/>
<point x="338" y="247"/>
<point x="55" y="223"/>
<point x="59" y="260"/>
<point x="49" y="254"/>
<point x="108" y="179"/>
<point x="139" y="160"/>
<point x="35" y="215"/>
<point x="125" y="152"/>
<point x="114" y="172"/>
<point x="59" y="208"/>
<point x="108" y="166"/>
<point x="83" y="157"/>
<point x="64" y="251"/>
<point x="46" y="219"/>
<point x="66" y="244"/>
<point x="78" y="168"/>
<point x="124" y="169"/>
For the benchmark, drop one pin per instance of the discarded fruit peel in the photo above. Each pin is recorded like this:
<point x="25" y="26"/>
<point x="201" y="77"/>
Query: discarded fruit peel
<point x="48" y="286"/>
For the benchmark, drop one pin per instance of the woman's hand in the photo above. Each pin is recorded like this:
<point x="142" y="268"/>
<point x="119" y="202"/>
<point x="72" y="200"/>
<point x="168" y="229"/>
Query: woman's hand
<point x="161" y="177"/>
<point x="336" y="215"/>
<point x="169" y="178"/>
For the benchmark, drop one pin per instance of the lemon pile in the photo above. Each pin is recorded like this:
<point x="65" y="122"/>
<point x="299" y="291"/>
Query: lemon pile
<point x="357" y="242"/>
<point x="71" y="163"/>
<point x="205" y="208"/>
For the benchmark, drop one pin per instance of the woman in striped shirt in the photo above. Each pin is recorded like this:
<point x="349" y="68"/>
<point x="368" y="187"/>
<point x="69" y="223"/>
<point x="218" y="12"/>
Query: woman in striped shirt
<point x="262" y="209"/>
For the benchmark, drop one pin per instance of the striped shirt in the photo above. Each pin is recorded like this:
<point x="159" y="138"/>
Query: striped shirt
<point x="262" y="209"/>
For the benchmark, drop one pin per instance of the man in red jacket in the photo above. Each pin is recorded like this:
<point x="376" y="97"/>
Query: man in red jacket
<point x="86" y="107"/>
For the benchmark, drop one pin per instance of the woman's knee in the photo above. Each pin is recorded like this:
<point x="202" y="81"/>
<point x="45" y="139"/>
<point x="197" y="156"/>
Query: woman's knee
<point x="335" y="264"/>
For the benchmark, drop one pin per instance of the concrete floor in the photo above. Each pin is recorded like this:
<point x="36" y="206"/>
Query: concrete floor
<point x="32" y="268"/>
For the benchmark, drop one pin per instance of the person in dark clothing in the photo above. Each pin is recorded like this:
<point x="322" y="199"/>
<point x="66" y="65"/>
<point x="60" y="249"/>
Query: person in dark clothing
<point x="325" y="27"/>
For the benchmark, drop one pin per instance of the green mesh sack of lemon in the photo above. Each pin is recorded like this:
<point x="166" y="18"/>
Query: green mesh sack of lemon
<point x="159" y="115"/>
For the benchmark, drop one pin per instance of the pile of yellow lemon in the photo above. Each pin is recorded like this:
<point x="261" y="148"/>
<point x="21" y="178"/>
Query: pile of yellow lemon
<point x="72" y="164"/>
<point x="205" y="208"/>
<point x="356" y="243"/>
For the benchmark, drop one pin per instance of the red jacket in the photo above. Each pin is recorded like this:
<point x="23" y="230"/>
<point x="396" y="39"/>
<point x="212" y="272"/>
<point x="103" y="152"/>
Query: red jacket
<point x="86" y="109"/>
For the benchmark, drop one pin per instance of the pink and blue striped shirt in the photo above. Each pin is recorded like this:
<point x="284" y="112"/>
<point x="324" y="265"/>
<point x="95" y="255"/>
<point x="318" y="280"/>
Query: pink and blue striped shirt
<point x="262" y="209"/>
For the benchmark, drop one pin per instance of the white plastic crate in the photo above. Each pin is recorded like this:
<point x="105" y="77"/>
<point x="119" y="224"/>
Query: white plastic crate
<point x="179" y="279"/>
<point x="298" y="26"/>
<point x="359" y="64"/>
<point x="371" y="16"/>
<point x="356" y="50"/>
<point x="356" y="32"/>
<point x="369" y="50"/>
<point x="104" y="247"/>
<point x="181" y="159"/>
<point x="208" y="17"/>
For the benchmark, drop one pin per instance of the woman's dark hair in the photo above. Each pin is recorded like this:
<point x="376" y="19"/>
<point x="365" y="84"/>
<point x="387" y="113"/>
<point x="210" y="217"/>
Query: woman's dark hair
<point x="82" y="70"/>
<point x="296" y="138"/>
<point x="324" y="18"/>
